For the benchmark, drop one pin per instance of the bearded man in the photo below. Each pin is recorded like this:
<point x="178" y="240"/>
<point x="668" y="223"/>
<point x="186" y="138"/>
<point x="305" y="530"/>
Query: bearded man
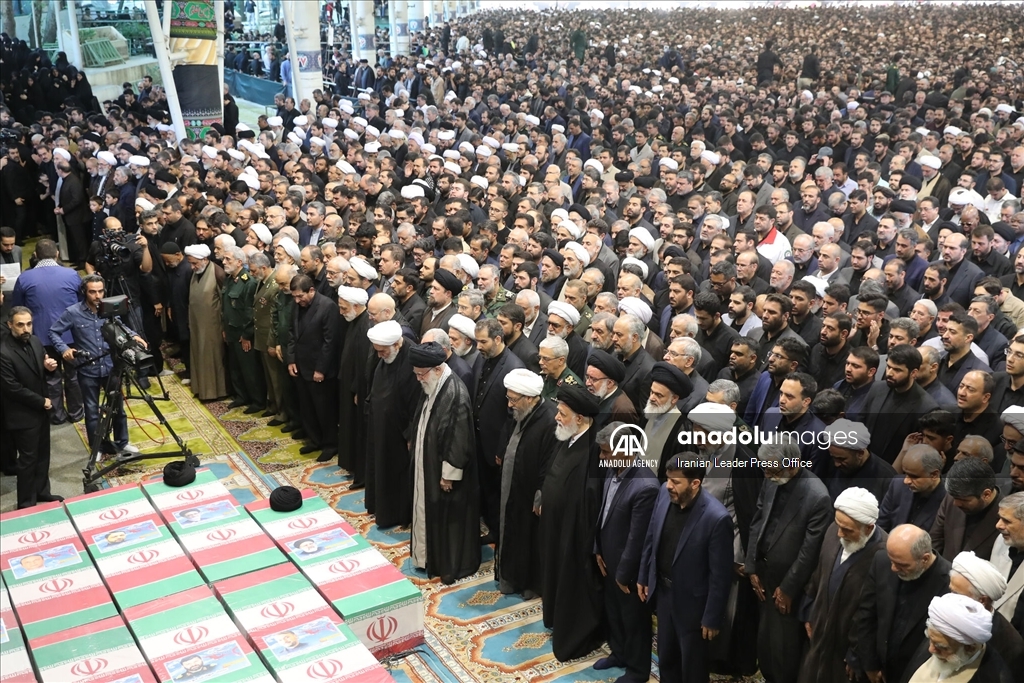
<point x="206" y="333"/>
<point x="959" y="630"/>
<point x="352" y="386"/>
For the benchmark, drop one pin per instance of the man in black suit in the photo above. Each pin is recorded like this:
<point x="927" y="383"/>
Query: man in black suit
<point x="627" y="498"/>
<point x="626" y="339"/>
<point x="406" y="287"/>
<point x="686" y="569"/>
<point x="892" y="407"/>
<point x="889" y="625"/>
<point x="312" y="359"/>
<point x="23" y="368"/>
<point x="72" y="205"/>
<point x="915" y="497"/>
<point x="490" y="413"/>
<point x="963" y="274"/>
<point x="793" y="514"/>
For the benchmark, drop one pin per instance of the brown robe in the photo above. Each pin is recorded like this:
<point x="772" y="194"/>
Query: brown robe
<point x="206" y="341"/>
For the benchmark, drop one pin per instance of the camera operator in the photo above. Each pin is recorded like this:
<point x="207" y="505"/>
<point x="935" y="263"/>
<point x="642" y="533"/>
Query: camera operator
<point x="93" y="359"/>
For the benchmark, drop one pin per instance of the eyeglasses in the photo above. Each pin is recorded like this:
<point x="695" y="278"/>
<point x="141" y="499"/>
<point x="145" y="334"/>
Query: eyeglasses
<point x="1013" y="354"/>
<point x="777" y="356"/>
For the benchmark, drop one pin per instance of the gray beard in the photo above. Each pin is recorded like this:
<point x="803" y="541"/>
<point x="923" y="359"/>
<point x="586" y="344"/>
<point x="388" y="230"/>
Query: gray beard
<point x="602" y="393"/>
<point x="462" y="351"/>
<point x="563" y="433"/>
<point x="392" y="355"/>
<point x="953" y="663"/>
<point x="552" y="333"/>
<point x="852" y="547"/>
<point x="651" y="409"/>
<point x="596" y="345"/>
<point x="429" y="385"/>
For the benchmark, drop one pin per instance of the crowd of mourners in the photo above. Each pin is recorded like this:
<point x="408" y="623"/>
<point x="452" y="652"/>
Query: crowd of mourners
<point x="713" y="316"/>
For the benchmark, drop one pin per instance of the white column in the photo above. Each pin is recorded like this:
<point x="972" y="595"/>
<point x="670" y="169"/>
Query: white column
<point x="436" y="13"/>
<point x="398" y="12"/>
<point x="363" y="47"/>
<point x="450" y="10"/>
<point x="163" y="59"/>
<point x="416" y="10"/>
<point x="75" y="54"/>
<point x="302" y="20"/>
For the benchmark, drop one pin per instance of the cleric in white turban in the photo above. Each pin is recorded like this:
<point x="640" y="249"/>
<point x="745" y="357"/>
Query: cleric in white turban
<point x="386" y="333"/>
<point x="636" y="306"/>
<point x="858" y="504"/>
<point x="976" y="578"/>
<point x="579" y="251"/>
<point x="287" y="244"/>
<point x="353" y="295"/>
<point x="644" y="237"/>
<point x="958" y="629"/>
<point x="565" y="311"/>
<point x="199" y="251"/>
<point x="524" y="382"/>
<point x="363" y="269"/>
<point x="713" y="417"/>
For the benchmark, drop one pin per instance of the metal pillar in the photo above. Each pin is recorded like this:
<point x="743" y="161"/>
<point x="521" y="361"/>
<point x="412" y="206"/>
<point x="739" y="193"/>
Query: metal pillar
<point x="302" y="21"/>
<point x="398" y="14"/>
<point x="363" y="44"/>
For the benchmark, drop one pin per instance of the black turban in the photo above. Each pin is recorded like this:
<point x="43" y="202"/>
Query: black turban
<point x="428" y="355"/>
<point x="624" y="177"/>
<point x="448" y="280"/>
<point x="1004" y="230"/>
<point x="165" y="176"/>
<point x="608" y="364"/>
<point x="581" y="210"/>
<point x="673" y="378"/>
<point x="913" y="181"/>
<point x="579" y="400"/>
<point x="645" y="181"/>
<point x="555" y="256"/>
<point x="285" y="499"/>
<point x="902" y="206"/>
<point x="673" y="251"/>
<point x="179" y="473"/>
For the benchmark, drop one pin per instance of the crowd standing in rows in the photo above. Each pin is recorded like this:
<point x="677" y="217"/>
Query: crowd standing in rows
<point x="464" y="283"/>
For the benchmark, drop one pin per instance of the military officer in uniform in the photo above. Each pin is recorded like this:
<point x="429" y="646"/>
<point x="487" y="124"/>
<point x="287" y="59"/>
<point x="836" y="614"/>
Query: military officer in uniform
<point x="552" y="356"/>
<point x="244" y="368"/>
<point x="263" y="327"/>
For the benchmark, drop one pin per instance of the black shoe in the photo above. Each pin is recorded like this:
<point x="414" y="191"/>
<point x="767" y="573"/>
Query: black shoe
<point x="488" y="539"/>
<point x="609" y="662"/>
<point x="306" y="450"/>
<point x="356" y="485"/>
<point x="328" y="455"/>
<point x="252" y="410"/>
<point x="55" y="422"/>
<point x="51" y="498"/>
<point x="299" y="434"/>
<point x="288" y="428"/>
<point x="269" y="413"/>
<point x="236" y="403"/>
<point x="275" y="423"/>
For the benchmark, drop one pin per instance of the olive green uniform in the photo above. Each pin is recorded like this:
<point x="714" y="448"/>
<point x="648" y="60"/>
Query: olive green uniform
<point x="244" y="367"/>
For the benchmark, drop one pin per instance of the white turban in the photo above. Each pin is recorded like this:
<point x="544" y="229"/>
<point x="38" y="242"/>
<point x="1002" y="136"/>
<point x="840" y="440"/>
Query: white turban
<point x="62" y="153"/>
<point x="290" y="248"/>
<point x="235" y="154"/>
<point x="859" y="504"/>
<point x="479" y="181"/>
<point x="570" y="227"/>
<point x="669" y="163"/>
<point x="560" y="213"/>
<point x="630" y="261"/>
<point x="363" y="269"/>
<point x="643" y="236"/>
<point x="262" y="233"/>
<point x="524" y="382"/>
<point x="107" y="158"/>
<point x="564" y="311"/>
<point x="580" y="251"/>
<point x="412" y="191"/>
<point x="1014" y="416"/>
<point x="960" y="618"/>
<point x="351" y="134"/>
<point x="847" y="434"/>
<point x="713" y="416"/>
<point x="469" y="264"/>
<point x="445" y="135"/>
<point x="491" y="142"/>
<point x="451" y="154"/>
<point x="144" y="203"/>
<point x="710" y="157"/>
<point x="275" y="121"/>
<point x="464" y="325"/>
<point x="137" y="160"/>
<point x="385" y="333"/>
<point x="359" y="121"/>
<point x="353" y="295"/>
<point x="452" y="167"/>
<point x="300" y="120"/>
<point x="330" y="123"/>
<point x="636" y="306"/>
<point x="981" y="573"/>
<point x="318" y="141"/>
<point x="197" y="251"/>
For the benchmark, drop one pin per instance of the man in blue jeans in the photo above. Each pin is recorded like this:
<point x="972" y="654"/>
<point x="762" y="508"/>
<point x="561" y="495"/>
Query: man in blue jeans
<point x="85" y="325"/>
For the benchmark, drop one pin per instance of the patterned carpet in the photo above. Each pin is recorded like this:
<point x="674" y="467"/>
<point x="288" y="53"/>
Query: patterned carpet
<point x="474" y="634"/>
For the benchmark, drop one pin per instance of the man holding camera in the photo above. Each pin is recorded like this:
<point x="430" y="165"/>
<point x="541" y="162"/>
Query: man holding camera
<point x="94" y="362"/>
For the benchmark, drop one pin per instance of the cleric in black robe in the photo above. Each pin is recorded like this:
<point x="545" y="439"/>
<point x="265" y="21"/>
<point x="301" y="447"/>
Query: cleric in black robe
<point x="353" y="383"/>
<point x="446" y="492"/>
<point x="389" y="410"/>
<point x="570" y="504"/>
<point x="529" y="444"/>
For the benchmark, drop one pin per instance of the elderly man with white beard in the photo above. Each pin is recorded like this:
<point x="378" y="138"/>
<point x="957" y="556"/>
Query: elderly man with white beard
<point x="562" y="321"/>
<point x="735" y="478"/>
<point x="389" y="411"/>
<point x="353" y="386"/>
<point x="575" y="260"/>
<point x="833" y="593"/>
<point x="958" y="630"/>
<point x="462" y="332"/>
<point x="980" y="580"/>
<point x="525" y="461"/>
<point x="445" y="531"/>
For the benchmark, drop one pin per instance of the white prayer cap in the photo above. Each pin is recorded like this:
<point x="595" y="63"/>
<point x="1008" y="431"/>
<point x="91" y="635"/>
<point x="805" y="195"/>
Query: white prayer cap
<point x="353" y="295"/>
<point x="452" y="167"/>
<point x="373" y="131"/>
<point x="561" y="214"/>
<point x="711" y="157"/>
<point x="630" y="261"/>
<point x="346" y="107"/>
<point x="466" y="147"/>
<point x="197" y="250"/>
<point x="712" y="416"/>
<point x="371" y="147"/>
<point x="557" y="128"/>
<point x="643" y="236"/>
<point x="464" y="325"/>
<point x="959" y="617"/>
<point x="144" y="203"/>
<point x="859" y="504"/>
<point x="363" y="97"/>
<point x="512" y="147"/>
<point x="656" y="88"/>
<point x="107" y="158"/>
<point x="290" y="248"/>
<point x="524" y="382"/>
<point x="820" y="285"/>
<point x="359" y="121"/>
<point x="62" y="153"/>
<point x="362" y="268"/>
<point x="579" y="250"/>
<point x="1004" y="108"/>
<point x="674" y="80"/>
<point x="491" y="142"/>
<point x="416" y="137"/>
<point x="597" y="113"/>
<point x="295" y="137"/>
<point x="951" y="130"/>
<point x="469" y="264"/>
<point x="446" y="135"/>
<point x="931" y="161"/>
<point x="428" y="148"/>
<point x="235" y="154"/>
<point x="300" y="120"/>
<point x="574" y="230"/>
<point x="479" y="181"/>
<point x="385" y="333"/>
<point x="564" y="311"/>
<point x="252" y="182"/>
<point x="594" y="164"/>
<point x="136" y="160"/>
<point x="451" y="154"/>
<point x="275" y="121"/>
<point x="847" y="434"/>
<point x="412" y="191"/>
<point x="483" y="151"/>
<point x="982" y="574"/>
<point x="262" y="233"/>
<point x="669" y="163"/>
<point x="532" y="120"/>
<point x="851" y="105"/>
<point x="330" y="123"/>
<point x="351" y="134"/>
<point x="636" y="306"/>
<point x="1014" y="416"/>
<point x="318" y="141"/>
<point x="345" y="167"/>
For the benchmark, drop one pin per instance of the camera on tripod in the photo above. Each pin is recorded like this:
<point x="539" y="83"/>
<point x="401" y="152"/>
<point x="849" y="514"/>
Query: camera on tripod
<point x="114" y="245"/>
<point x="123" y="346"/>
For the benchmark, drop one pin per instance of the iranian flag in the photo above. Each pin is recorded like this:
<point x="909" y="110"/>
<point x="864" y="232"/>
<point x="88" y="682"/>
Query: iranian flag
<point x="103" y="652"/>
